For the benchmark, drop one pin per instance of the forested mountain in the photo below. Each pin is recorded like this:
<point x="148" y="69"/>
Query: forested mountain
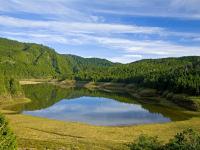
<point x="181" y="75"/>
<point x="29" y="60"/>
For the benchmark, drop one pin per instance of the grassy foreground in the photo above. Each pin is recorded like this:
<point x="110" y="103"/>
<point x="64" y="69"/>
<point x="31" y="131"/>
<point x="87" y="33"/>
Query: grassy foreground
<point x="41" y="133"/>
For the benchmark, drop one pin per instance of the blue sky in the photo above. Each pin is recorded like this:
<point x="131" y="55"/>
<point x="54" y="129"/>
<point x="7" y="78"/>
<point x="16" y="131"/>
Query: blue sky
<point x="118" y="30"/>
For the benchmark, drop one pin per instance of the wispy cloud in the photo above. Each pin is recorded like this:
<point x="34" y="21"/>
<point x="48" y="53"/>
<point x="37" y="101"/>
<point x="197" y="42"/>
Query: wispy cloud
<point x="126" y="58"/>
<point x="149" y="47"/>
<point x="182" y="9"/>
<point x="90" y="28"/>
<point x="105" y="25"/>
<point x="82" y="10"/>
<point x="77" y="26"/>
<point x="101" y="34"/>
<point x="49" y="9"/>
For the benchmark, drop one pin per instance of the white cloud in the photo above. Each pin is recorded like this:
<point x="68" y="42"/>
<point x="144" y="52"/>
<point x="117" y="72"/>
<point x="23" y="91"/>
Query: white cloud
<point x="89" y="28"/>
<point x="183" y="9"/>
<point x="77" y="26"/>
<point x="149" y="47"/>
<point x="131" y="50"/>
<point x="78" y="22"/>
<point x="83" y="10"/>
<point x="127" y="58"/>
<point x="187" y="5"/>
<point x="50" y="9"/>
<point x="44" y="38"/>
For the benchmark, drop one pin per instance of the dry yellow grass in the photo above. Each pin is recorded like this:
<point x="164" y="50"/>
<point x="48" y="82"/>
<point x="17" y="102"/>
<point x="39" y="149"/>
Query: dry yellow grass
<point x="41" y="133"/>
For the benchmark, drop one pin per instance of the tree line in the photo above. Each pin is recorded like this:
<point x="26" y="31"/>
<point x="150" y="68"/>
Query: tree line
<point x="28" y="60"/>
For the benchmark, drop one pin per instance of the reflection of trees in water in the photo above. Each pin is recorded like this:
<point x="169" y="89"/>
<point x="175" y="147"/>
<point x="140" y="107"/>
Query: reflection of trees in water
<point x="45" y="95"/>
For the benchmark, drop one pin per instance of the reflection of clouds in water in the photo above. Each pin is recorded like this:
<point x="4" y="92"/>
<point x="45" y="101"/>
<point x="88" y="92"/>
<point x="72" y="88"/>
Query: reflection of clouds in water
<point x="99" y="111"/>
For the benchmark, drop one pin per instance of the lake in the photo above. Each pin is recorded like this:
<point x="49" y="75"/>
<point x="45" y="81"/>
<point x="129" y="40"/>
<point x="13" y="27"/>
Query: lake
<point x="93" y="107"/>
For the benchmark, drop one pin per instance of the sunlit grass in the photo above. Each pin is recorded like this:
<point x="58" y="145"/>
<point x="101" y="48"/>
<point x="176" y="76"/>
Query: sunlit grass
<point x="40" y="133"/>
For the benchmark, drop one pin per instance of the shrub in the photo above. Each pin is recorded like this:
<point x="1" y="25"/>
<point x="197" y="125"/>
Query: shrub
<point x="186" y="140"/>
<point x="7" y="138"/>
<point x="145" y="143"/>
<point x="10" y="87"/>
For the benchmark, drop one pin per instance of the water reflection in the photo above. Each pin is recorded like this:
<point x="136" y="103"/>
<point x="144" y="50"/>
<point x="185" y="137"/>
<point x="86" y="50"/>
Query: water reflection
<point x="93" y="107"/>
<point x="99" y="111"/>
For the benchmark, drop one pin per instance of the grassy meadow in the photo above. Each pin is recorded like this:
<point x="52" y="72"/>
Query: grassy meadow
<point x="41" y="133"/>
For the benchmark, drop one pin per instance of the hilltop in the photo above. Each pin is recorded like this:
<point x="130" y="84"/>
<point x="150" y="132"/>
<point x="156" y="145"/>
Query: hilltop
<point x="29" y="60"/>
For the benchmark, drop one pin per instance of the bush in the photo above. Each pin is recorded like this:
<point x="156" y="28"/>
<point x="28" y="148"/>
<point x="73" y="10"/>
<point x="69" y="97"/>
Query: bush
<point x="10" y="87"/>
<point x="145" y="143"/>
<point x="7" y="138"/>
<point x="186" y="140"/>
<point x="13" y="87"/>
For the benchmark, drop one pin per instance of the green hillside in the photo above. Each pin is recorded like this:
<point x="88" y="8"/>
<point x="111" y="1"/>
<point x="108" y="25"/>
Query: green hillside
<point x="29" y="60"/>
<point x="180" y="75"/>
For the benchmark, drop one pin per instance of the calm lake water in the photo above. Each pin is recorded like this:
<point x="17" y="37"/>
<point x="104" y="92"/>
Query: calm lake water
<point x="92" y="107"/>
<point x="99" y="111"/>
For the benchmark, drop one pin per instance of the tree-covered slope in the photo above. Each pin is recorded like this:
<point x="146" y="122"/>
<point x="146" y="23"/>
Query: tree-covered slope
<point x="29" y="60"/>
<point x="180" y="75"/>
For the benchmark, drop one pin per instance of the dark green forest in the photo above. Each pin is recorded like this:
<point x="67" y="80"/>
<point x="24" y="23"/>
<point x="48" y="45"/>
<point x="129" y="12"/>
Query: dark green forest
<point x="28" y="60"/>
<point x="180" y="75"/>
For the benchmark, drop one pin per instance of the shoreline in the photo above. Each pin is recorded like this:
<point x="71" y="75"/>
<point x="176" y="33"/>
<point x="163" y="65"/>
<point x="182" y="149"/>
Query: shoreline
<point x="37" y="133"/>
<point x="56" y="133"/>
<point x="140" y="93"/>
